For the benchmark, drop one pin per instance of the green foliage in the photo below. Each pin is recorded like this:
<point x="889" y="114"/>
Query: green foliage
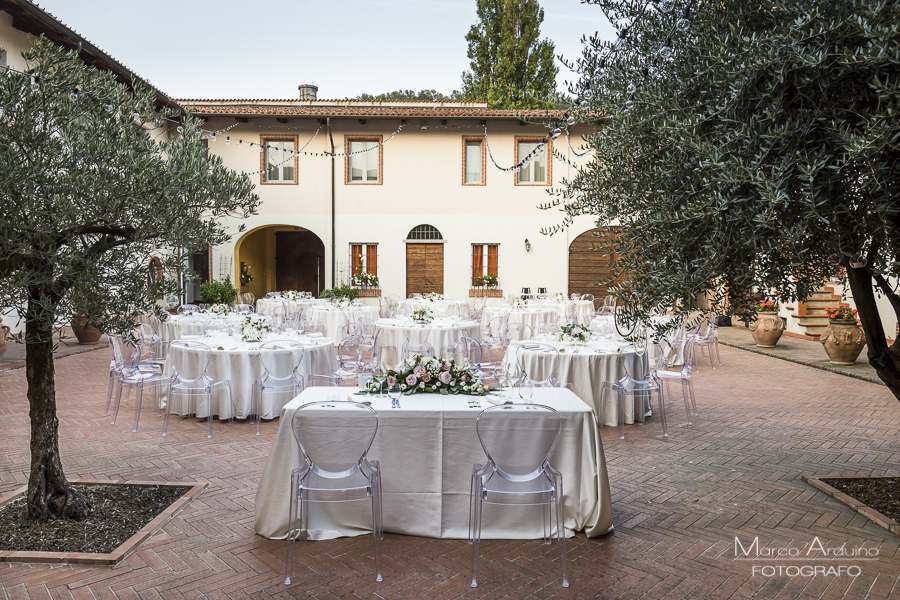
<point x="490" y="280"/>
<point x="427" y="95"/>
<point x="218" y="292"/>
<point x="762" y="154"/>
<point x="510" y="66"/>
<point x="246" y="277"/>
<point x="341" y="291"/>
<point x="92" y="185"/>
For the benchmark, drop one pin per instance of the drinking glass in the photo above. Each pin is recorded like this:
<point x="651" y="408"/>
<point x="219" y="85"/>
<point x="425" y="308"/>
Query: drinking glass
<point x="526" y="391"/>
<point x="395" y="392"/>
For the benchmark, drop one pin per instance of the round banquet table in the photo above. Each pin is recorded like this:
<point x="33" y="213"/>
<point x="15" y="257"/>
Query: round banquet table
<point x="172" y="329"/>
<point x="533" y="317"/>
<point x="605" y="324"/>
<point x="335" y="319"/>
<point x="238" y="362"/>
<point x="586" y="370"/>
<point x="266" y="306"/>
<point x="438" y="308"/>
<point x="393" y="333"/>
<point x="584" y="309"/>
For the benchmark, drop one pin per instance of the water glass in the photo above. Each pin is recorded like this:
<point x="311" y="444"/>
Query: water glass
<point x="395" y="392"/>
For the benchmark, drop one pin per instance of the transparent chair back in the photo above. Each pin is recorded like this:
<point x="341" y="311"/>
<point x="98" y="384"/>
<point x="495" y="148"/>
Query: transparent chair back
<point x="280" y="360"/>
<point x="193" y="325"/>
<point x="130" y="371"/>
<point x="319" y="380"/>
<point x="189" y="381"/>
<point x="537" y="364"/>
<point x="518" y="332"/>
<point x="421" y="346"/>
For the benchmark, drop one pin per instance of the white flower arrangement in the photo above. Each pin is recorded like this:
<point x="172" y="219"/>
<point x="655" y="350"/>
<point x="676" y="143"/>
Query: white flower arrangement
<point x="291" y="295"/>
<point x="423" y="315"/>
<point x="573" y="332"/>
<point x="254" y="328"/>
<point x="342" y="302"/>
<point x="434" y="297"/>
<point x="431" y="375"/>
<point x="518" y="303"/>
<point x="365" y="278"/>
<point x="220" y="310"/>
<point x="559" y="297"/>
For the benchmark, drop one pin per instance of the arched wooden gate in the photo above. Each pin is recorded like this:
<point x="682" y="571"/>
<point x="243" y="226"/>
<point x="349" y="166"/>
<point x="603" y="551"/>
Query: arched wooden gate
<point x="587" y="266"/>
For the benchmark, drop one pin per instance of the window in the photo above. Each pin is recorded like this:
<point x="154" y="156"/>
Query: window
<point x="485" y="261"/>
<point x="424" y="232"/>
<point x="278" y="163"/>
<point x="364" y="259"/>
<point x="537" y="171"/>
<point x="363" y="161"/>
<point x="473" y="161"/>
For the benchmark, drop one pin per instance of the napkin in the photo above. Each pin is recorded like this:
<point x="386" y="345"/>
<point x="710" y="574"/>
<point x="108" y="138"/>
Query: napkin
<point x="315" y="334"/>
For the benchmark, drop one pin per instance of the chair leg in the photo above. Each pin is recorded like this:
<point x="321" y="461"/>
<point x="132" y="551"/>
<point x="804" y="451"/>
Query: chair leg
<point x="255" y="402"/>
<point x="472" y="507"/>
<point x="685" y="393"/>
<point x="561" y="532"/>
<point x="693" y="397"/>
<point x="137" y="409"/>
<point x="113" y="383"/>
<point x="718" y="359"/>
<point x="167" y="410"/>
<point x="476" y="534"/>
<point x="292" y="526"/>
<point x="621" y="414"/>
<point x="660" y="401"/>
<point x="376" y="528"/>
<point x="209" y="412"/>
<point x="547" y="524"/>
<point x="118" y="401"/>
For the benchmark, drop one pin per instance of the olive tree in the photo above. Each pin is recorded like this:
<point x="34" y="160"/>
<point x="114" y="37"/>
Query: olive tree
<point x="748" y="146"/>
<point x="94" y="180"/>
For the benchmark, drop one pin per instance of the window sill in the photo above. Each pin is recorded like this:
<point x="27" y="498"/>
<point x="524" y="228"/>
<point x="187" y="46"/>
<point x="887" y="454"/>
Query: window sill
<point x="485" y="293"/>
<point x="369" y="292"/>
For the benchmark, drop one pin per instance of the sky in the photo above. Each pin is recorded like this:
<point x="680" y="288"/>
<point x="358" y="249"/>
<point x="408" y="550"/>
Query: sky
<point x="266" y="48"/>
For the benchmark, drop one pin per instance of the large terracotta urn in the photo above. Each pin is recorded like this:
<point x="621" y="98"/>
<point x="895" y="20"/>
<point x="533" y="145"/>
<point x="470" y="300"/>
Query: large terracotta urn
<point x="767" y="329"/>
<point x="85" y="335"/>
<point x="843" y="340"/>
<point x="5" y="340"/>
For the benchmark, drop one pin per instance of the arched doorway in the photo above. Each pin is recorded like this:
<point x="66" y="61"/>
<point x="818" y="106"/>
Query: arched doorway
<point x="590" y="261"/>
<point x="424" y="260"/>
<point x="281" y="257"/>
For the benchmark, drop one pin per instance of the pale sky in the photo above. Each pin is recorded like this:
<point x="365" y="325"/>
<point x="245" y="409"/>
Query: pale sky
<point x="265" y="48"/>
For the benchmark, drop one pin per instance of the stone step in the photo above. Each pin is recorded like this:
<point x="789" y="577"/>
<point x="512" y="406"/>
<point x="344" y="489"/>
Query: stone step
<point x="821" y="304"/>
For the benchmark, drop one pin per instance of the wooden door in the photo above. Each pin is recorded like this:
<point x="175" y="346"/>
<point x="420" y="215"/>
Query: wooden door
<point x="587" y="265"/>
<point x="424" y="268"/>
<point x="299" y="261"/>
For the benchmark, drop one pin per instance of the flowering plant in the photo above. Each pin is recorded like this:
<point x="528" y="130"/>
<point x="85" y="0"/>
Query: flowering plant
<point x="291" y="295"/>
<point x="519" y="303"/>
<point x="218" y="309"/>
<point x="433" y="376"/>
<point x="573" y="332"/>
<point x="559" y="297"/>
<point x="342" y="302"/>
<point x="423" y="315"/>
<point x="841" y="313"/>
<point x="767" y="306"/>
<point x="489" y="280"/>
<point x="434" y="297"/>
<point x="365" y="278"/>
<point x="254" y="328"/>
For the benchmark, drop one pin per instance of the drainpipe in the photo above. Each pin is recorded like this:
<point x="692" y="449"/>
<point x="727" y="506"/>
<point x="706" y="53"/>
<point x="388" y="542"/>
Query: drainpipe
<point x="333" y="246"/>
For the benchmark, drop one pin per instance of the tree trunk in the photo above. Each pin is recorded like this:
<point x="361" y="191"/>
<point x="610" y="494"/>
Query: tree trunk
<point x="883" y="358"/>
<point x="49" y="493"/>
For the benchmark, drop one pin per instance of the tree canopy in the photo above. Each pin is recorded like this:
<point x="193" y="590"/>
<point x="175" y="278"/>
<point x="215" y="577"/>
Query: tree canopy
<point x="510" y="66"/>
<point x="94" y="181"/>
<point x="748" y="146"/>
<point x="409" y="95"/>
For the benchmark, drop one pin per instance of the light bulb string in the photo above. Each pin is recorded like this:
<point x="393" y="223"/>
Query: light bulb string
<point x="292" y="154"/>
<point x="518" y="166"/>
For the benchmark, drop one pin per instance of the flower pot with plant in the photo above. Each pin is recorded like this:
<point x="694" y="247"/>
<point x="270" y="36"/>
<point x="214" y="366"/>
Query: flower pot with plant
<point x="246" y="278"/>
<point x="768" y="326"/>
<point x="843" y="338"/>
<point x="218" y="292"/>
<point x="5" y="339"/>
<point x="87" y="315"/>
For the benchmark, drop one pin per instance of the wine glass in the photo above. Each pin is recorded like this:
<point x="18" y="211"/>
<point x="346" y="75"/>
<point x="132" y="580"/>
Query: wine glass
<point x="526" y="391"/>
<point x="395" y="392"/>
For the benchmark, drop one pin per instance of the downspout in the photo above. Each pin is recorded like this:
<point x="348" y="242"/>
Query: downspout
<point x="333" y="245"/>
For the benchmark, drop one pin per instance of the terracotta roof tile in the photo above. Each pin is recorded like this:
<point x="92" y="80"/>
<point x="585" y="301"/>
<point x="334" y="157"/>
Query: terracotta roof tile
<point x="363" y="108"/>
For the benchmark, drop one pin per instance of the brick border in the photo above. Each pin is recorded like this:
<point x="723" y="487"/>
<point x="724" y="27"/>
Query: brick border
<point x="480" y="140"/>
<point x="263" y="180"/>
<point x="866" y="511"/>
<point x="363" y="138"/>
<point x="548" y="154"/>
<point x="126" y="548"/>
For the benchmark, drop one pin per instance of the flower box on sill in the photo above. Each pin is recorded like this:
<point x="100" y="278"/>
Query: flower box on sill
<point x="369" y="292"/>
<point x="481" y="292"/>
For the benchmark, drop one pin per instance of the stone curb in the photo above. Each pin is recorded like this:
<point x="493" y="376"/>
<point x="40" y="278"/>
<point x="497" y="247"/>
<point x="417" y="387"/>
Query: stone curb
<point x="866" y="511"/>
<point x="805" y="363"/>
<point x="126" y="548"/>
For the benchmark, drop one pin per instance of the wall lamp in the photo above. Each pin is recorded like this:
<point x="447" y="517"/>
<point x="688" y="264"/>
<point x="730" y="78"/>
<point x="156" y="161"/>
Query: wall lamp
<point x="527" y="245"/>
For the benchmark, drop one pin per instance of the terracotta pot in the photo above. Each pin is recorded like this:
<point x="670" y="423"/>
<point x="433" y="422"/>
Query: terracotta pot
<point x="85" y="335"/>
<point x="767" y="329"/>
<point x="5" y="340"/>
<point x="245" y="289"/>
<point x="843" y="341"/>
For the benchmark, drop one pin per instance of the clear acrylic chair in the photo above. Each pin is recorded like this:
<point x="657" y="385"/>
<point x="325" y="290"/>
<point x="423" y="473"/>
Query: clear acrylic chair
<point x="190" y="360"/>
<point x="538" y="363"/>
<point x="494" y="338"/>
<point x="518" y="473"/>
<point x="708" y="338"/>
<point x="518" y="332"/>
<point x="193" y="325"/>
<point x="314" y="327"/>
<point x="409" y="349"/>
<point x="334" y="439"/>
<point x="350" y="358"/>
<point x="640" y="383"/>
<point x="130" y="372"/>
<point x="280" y="360"/>
<point x="248" y="298"/>
<point x="293" y="320"/>
<point x="187" y="309"/>
<point x="684" y="376"/>
<point x="319" y="380"/>
<point x="279" y="314"/>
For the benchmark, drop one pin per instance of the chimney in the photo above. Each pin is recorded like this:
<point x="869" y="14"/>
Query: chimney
<point x="308" y="91"/>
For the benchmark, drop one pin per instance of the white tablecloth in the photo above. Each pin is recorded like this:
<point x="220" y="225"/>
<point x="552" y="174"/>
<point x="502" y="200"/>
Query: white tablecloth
<point x="586" y="371"/>
<point x="533" y="317"/>
<point x="605" y="324"/>
<point x="426" y="450"/>
<point x="266" y="306"/>
<point x="439" y="333"/>
<point x="334" y="319"/>
<point x="172" y="329"/>
<point x="238" y="362"/>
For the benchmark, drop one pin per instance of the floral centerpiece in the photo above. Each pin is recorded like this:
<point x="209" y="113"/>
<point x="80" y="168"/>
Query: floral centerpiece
<point x="255" y="327"/>
<point x="573" y="332"/>
<point x="490" y="280"/>
<point x="433" y="376"/>
<point x="518" y="303"/>
<point x="220" y="310"/>
<point x="291" y="295"/>
<point x="423" y="315"/>
<point x="559" y="297"/>
<point x="434" y="297"/>
<point x="365" y="278"/>
<point x="342" y="302"/>
<point x="841" y="313"/>
<point x="766" y="306"/>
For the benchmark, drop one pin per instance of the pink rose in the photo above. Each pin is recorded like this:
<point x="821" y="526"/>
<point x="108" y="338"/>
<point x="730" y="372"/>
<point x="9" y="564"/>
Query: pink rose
<point x="446" y="368"/>
<point x="391" y="380"/>
<point x="426" y="377"/>
<point x="419" y="370"/>
<point x="487" y="387"/>
<point x="410" y="380"/>
<point x="445" y="377"/>
<point x="465" y="378"/>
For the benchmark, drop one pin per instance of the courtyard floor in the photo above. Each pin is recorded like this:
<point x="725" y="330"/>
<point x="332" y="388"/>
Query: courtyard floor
<point x="678" y="503"/>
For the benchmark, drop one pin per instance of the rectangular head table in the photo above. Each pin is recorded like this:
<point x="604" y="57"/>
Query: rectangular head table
<point x="427" y="449"/>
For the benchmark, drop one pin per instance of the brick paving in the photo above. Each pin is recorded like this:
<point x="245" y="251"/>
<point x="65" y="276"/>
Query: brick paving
<point x="677" y="502"/>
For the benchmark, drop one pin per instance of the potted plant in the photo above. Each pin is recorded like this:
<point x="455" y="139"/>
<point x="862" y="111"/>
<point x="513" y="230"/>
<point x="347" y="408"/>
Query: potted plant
<point x="843" y="338"/>
<point x="87" y="315"/>
<point x="218" y="292"/>
<point x="486" y="284"/>
<point x="5" y="340"/>
<point x="768" y="326"/>
<point x="246" y="277"/>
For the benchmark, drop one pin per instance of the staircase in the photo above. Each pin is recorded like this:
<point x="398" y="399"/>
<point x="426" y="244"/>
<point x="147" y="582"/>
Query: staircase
<point x="811" y="314"/>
